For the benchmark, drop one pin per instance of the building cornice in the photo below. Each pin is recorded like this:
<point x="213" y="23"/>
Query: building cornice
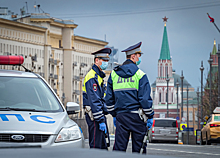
<point x="53" y="23"/>
<point x="89" y="40"/>
<point x="22" y="25"/>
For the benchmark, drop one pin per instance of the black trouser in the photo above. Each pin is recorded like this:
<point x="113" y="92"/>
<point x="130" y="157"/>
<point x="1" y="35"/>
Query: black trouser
<point x="126" y="124"/>
<point x="96" y="136"/>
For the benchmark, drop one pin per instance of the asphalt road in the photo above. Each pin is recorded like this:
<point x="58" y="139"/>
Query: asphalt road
<point x="177" y="150"/>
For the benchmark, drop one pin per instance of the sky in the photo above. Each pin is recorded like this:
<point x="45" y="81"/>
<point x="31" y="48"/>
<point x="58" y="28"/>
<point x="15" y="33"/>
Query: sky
<point x="123" y="23"/>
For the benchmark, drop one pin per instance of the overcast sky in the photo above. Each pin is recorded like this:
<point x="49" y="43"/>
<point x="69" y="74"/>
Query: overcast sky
<point x="127" y="22"/>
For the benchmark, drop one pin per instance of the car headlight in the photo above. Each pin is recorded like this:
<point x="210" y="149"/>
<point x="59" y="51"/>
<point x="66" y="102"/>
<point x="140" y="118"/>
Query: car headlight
<point x="67" y="134"/>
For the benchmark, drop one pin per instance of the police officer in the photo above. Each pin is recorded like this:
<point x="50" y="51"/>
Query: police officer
<point x="93" y="102"/>
<point x="128" y="94"/>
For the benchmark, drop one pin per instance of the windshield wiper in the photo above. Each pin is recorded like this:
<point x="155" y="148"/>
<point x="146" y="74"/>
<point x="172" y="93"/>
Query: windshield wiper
<point x="20" y="109"/>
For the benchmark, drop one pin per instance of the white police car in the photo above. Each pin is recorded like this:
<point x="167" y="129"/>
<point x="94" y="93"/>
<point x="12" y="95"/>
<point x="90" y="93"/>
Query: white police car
<point x="31" y="113"/>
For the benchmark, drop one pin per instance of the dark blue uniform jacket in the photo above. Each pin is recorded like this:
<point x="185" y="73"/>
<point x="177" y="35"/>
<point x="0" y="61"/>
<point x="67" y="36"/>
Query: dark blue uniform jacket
<point x="129" y="100"/>
<point x="94" y="95"/>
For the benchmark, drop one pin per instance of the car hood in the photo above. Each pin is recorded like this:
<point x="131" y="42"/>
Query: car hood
<point x="33" y="122"/>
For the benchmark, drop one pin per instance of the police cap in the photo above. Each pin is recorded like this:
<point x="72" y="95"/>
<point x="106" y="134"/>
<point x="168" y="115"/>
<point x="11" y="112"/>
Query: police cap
<point x="103" y="53"/>
<point x="133" y="49"/>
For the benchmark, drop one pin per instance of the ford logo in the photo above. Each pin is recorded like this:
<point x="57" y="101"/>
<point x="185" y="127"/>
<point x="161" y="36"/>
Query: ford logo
<point x="17" y="137"/>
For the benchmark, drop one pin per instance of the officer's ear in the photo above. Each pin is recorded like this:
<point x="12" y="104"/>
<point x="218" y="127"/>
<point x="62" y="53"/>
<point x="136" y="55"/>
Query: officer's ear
<point x="96" y="60"/>
<point x="132" y="56"/>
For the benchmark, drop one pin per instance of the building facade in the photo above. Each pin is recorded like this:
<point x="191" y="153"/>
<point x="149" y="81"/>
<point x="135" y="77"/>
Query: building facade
<point x="51" y="49"/>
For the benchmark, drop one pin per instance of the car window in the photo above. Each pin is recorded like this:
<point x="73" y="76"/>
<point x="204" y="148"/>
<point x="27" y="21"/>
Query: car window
<point x="216" y="118"/>
<point x="165" y="123"/>
<point x="27" y="93"/>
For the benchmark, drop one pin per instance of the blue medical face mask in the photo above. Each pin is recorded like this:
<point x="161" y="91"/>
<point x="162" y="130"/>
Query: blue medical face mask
<point x="104" y="65"/>
<point x="139" y="61"/>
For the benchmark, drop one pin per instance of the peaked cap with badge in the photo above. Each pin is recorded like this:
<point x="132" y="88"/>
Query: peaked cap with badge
<point x="103" y="53"/>
<point x="133" y="49"/>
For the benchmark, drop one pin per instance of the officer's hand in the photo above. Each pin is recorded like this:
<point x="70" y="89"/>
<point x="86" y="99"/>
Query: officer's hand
<point x="114" y="121"/>
<point x="102" y="127"/>
<point x="149" y="123"/>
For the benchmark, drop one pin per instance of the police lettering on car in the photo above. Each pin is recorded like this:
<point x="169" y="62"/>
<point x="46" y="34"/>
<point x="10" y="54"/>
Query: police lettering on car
<point x="128" y="101"/>
<point x="93" y="102"/>
<point x="33" y="117"/>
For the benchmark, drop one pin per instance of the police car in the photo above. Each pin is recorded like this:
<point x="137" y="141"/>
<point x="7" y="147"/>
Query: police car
<point x="31" y="113"/>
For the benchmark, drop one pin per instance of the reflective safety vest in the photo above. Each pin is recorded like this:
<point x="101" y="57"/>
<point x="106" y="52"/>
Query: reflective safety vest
<point x="91" y="74"/>
<point x="131" y="83"/>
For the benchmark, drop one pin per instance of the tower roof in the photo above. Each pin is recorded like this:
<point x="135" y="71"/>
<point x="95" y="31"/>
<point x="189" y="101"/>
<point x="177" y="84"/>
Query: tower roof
<point x="214" y="50"/>
<point x="165" y="51"/>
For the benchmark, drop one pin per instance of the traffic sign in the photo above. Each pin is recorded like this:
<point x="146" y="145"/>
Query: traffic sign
<point x="205" y="118"/>
<point x="183" y="119"/>
<point x="177" y="118"/>
<point x="183" y="126"/>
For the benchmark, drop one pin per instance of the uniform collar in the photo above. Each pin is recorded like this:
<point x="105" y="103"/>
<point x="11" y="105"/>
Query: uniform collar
<point x="98" y="71"/>
<point x="128" y="61"/>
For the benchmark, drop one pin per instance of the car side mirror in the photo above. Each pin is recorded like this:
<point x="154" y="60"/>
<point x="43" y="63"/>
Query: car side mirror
<point x="72" y="108"/>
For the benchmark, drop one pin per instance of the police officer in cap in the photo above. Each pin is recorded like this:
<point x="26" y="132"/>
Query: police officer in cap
<point x="128" y="100"/>
<point x="93" y="102"/>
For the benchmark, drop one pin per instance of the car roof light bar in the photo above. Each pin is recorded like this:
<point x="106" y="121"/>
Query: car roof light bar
<point x="11" y="60"/>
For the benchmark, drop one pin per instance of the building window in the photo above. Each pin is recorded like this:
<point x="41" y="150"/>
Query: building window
<point x="60" y="44"/>
<point x="172" y="97"/>
<point x="160" y="97"/>
<point x="166" y="70"/>
<point x="161" y="71"/>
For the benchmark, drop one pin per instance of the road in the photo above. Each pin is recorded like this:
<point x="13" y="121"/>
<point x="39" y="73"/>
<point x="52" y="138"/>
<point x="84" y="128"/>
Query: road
<point x="178" y="150"/>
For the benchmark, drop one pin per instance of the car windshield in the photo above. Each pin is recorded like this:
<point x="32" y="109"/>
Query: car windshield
<point x="165" y="123"/>
<point x="27" y="94"/>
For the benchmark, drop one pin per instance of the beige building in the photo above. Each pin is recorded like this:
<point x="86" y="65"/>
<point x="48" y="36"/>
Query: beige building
<point x="51" y="49"/>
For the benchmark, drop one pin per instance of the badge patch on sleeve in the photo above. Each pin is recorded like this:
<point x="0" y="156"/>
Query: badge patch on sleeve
<point x="95" y="87"/>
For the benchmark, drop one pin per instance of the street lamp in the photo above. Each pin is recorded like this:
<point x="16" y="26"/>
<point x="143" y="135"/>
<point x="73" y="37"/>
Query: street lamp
<point x="210" y="84"/>
<point x="177" y="86"/>
<point x="218" y="53"/>
<point x="198" y="106"/>
<point x="167" y="95"/>
<point x="182" y="77"/>
<point x="201" y="68"/>
<point x="187" y="90"/>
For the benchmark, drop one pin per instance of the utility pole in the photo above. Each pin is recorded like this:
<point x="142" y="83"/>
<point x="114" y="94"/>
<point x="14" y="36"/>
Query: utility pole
<point x="177" y="108"/>
<point x="202" y="68"/>
<point x="218" y="53"/>
<point x="187" y="90"/>
<point x="198" y="106"/>
<point x="210" y="84"/>
<point x="167" y="95"/>
<point x="182" y="77"/>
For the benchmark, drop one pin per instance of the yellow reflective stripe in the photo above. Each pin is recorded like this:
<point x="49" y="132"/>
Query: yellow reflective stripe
<point x="89" y="75"/>
<point x="130" y="83"/>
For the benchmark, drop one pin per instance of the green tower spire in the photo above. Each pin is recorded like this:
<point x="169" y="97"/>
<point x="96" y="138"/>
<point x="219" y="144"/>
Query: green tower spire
<point x="165" y="51"/>
<point x="214" y="50"/>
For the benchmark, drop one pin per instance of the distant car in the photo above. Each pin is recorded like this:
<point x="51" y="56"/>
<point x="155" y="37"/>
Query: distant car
<point x="164" y="129"/>
<point x="31" y="114"/>
<point x="210" y="133"/>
